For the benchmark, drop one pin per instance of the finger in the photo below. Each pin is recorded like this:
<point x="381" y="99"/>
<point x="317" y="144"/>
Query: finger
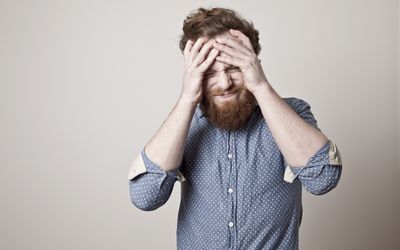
<point x="235" y="43"/>
<point x="210" y="59"/>
<point x="230" y="51"/>
<point x="224" y="63"/>
<point x="230" y="60"/>
<point x="196" y="47"/>
<point x="188" y="47"/>
<point x="203" y="52"/>
<point x="246" y="41"/>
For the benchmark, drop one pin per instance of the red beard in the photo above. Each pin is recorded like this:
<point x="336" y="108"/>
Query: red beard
<point x="230" y="114"/>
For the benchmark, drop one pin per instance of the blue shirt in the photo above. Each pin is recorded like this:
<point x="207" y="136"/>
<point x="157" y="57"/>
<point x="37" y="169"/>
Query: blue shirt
<point x="237" y="192"/>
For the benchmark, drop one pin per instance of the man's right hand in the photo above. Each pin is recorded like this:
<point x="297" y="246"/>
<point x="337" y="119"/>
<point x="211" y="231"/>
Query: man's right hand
<point x="198" y="58"/>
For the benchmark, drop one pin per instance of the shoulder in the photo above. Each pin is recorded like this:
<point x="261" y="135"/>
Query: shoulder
<point x="303" y="109"/>
<point x="198" y="119"/>
<point x="199" y="123"/>
<point x="297" y="104"/>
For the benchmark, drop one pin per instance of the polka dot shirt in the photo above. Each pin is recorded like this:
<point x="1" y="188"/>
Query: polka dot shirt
<point x="237" y="192"/>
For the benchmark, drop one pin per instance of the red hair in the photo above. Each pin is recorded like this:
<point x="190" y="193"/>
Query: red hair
<point x="212" y="22"/>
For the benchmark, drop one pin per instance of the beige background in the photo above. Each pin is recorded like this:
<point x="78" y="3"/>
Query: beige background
<point x="85" y="84"/>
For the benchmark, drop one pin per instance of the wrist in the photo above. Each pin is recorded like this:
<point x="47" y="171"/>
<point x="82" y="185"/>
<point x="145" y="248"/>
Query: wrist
<point x="187" y="102"/>
<point x="262" y="88"/>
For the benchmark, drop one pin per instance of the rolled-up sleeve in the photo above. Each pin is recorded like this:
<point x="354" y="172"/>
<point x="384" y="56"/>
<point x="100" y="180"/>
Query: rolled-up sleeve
<point x="323" y="170"/>
<point x="150" y="186"/>
<point x="321" y="173"/>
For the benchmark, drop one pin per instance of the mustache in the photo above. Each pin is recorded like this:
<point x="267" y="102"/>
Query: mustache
<point x="221" y="91"/>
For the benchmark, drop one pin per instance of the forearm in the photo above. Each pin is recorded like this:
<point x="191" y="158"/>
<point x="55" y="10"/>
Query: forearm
<point x="296" y="139"/>
<point x="167" y="145"/>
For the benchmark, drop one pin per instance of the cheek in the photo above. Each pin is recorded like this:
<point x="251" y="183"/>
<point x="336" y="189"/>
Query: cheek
<point x="209" y="81"/>
<point x="206" y="88"/>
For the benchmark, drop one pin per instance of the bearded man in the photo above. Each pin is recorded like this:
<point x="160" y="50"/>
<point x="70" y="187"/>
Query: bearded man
<point x="241" y="152"/>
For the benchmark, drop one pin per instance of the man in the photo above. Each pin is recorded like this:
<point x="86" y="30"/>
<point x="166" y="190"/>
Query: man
<point x="240" y="151"/>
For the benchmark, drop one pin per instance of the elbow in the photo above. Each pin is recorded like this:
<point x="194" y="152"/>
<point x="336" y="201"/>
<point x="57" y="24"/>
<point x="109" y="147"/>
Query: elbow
<point x="144" y="201"/>
<point x="149" y="192"/>
<point x="143" y="205"/>
<point x="326" y="184"/>
<point x="321" y="190"/>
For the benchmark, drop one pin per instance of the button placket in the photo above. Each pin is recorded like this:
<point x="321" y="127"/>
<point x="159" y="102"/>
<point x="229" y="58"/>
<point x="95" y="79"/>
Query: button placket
<point x="231" y="178"/>
<point x="231" y="186"/>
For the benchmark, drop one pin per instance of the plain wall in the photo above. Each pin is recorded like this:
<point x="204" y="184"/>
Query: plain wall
<point x="398" y="102"/>
<point x="85" y="84"/>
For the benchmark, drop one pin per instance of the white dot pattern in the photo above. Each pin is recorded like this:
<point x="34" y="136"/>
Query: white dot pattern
<point x="234" y="195"/>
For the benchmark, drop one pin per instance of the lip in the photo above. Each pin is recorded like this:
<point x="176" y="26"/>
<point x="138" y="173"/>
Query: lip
<point x="227" y="95"/>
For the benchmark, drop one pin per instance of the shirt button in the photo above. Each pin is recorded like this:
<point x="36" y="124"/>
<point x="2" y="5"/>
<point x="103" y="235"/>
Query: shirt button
<point x="230" y="190"/>
<point x="229" y="155"/>
<point x="230" y="224"/>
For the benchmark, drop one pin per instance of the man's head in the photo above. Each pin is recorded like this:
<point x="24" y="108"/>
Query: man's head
<point x="212" y="22"/>
<point x="226" y="102"/>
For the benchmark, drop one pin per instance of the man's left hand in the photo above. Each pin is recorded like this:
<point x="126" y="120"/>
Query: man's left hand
<point x="240" y="53"/>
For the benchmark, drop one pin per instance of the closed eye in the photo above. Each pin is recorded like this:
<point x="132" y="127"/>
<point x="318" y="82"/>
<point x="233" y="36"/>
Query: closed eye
<point x="209" y="74"/>
<point x="234" y="69"/>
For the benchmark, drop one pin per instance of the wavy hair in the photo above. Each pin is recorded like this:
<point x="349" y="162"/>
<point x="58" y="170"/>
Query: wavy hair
<point x="211" y="22"/>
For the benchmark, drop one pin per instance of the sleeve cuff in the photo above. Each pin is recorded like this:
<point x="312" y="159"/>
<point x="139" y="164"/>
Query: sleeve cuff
<point x="142" y="164"/>
<point x="137" y="167"/>
<point x="319" y="158"/>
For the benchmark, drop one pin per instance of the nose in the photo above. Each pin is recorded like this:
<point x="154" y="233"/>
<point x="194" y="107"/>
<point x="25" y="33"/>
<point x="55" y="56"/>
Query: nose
<point x="224" y="81"/>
